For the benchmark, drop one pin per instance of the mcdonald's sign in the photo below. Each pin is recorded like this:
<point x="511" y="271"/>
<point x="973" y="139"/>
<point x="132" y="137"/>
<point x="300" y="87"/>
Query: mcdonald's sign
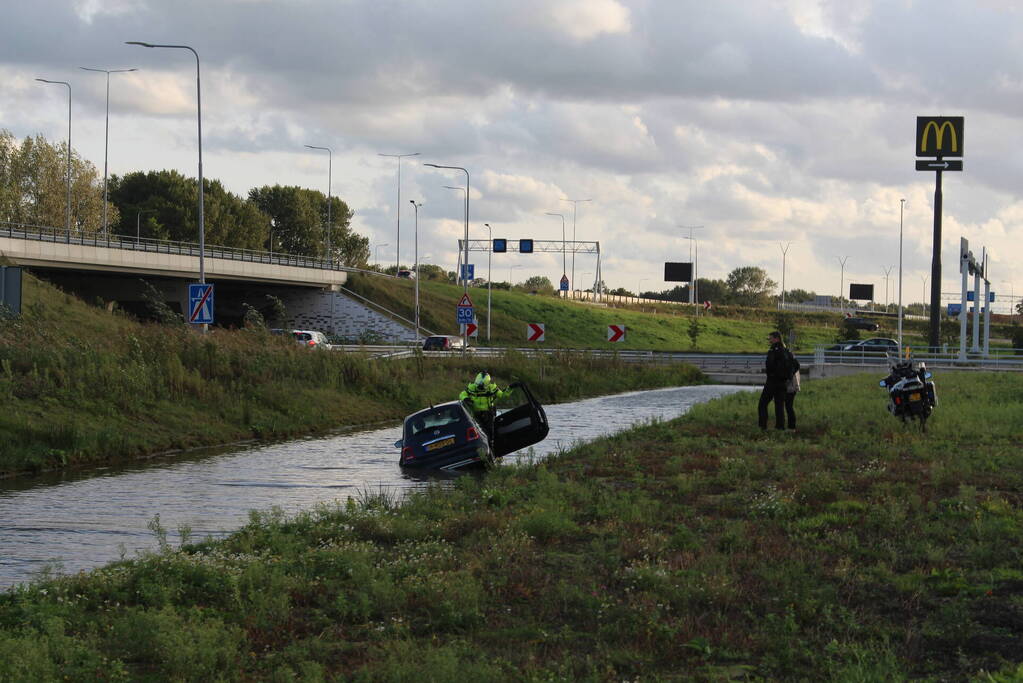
<point x="939" y="136"/>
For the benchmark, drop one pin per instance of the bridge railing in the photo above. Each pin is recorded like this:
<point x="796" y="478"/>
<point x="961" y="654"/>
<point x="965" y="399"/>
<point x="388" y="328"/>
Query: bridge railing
<point x="148" y="244"/>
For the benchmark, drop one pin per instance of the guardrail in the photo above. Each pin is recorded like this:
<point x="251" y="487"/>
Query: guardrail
<point x="147" y="244"/>
<point x="996" y="359"/>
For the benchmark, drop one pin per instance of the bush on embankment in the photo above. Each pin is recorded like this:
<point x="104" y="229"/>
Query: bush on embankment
<point x="699" y="549"/>
<point x="81" y="385"/>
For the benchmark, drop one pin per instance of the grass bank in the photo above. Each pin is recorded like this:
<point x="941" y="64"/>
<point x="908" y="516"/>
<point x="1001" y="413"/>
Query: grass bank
<point x="699" y="549"/>
<point x="81" y="385"/>
<point x="570" y="324"/>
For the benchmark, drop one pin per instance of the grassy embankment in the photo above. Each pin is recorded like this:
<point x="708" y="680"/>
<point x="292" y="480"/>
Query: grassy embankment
<point x="658" y="327"/>
<point x="852" y="550"/>
<point x="83" y="386"/>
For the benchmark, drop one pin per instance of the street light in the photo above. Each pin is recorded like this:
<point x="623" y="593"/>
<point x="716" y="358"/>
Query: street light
<point x="198" y="106"/>
<point x="575" y="207"/>
<point x="784" y="254"/>
<point x="902" y="208"/>
<point x="465" y="283"/>
<point x="692" y="285"/>
<point x="841" y="285"/>
<point x="510" y="269"/>
<point x="397" y="246"/>
<point x="330" y="225"/>
<point x="923" y="278"/>
<point x="138" y="217"/>
<point x="887" y="272"/>
<point x="106" y="138"/>
<point x="416" y="205"/>
<point x="67" y="220"/>
<point x="464" y="270"/>
<point x="382" y="244"/>
<point x="692" y="288"/>
<point x="564" y="263"/>
<point x="490" y="254"/>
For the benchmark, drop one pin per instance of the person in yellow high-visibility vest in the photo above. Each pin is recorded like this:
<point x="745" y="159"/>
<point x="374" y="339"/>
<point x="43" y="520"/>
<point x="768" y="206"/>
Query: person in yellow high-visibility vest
<point x="482" y="395"/>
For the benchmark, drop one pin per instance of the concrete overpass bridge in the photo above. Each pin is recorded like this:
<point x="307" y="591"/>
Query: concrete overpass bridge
<point x="111" y="267"/>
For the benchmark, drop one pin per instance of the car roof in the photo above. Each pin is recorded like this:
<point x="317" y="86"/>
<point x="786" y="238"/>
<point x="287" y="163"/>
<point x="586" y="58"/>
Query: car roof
<point x="433" y="408"/>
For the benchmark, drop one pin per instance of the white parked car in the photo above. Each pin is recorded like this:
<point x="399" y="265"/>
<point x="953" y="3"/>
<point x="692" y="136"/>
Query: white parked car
<point x="311" y="338"/>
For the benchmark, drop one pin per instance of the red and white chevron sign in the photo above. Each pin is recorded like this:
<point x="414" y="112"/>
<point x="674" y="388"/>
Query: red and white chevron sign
<point x="534" y="332"/>
<point x="616" y="333"/>
<point x="470" y="329"/>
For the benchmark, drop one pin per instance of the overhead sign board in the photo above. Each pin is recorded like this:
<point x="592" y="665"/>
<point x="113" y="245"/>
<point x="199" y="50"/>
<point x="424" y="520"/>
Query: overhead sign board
<point x="678" y="272"/>
<point x="939" y="136"/>
<point x="200" y="303"/>
<point x="943" y="165"/>
<point x="525" y="246"/>
<point x="500" y="246"/>
<point x="861" y="292"/>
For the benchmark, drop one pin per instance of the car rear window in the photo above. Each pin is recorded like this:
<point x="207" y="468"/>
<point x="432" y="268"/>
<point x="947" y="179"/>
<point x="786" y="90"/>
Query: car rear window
<point x="303" y="336"/>
<point x="439" y="417"/>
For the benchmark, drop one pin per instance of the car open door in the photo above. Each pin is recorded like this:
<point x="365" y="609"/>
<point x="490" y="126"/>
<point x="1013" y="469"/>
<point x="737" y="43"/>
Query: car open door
<point x="521" y="426"/>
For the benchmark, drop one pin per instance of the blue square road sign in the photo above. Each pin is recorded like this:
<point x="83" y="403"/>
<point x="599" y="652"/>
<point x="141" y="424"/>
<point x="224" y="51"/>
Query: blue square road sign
<point x="200" y="303"/>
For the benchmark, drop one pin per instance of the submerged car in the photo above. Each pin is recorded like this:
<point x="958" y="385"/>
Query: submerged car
<point x="448" y="437"/>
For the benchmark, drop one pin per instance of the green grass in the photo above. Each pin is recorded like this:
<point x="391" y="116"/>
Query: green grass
<point x="660" y="327"/>
<point x="82" y="386"/>
<point x="698" y="549"/>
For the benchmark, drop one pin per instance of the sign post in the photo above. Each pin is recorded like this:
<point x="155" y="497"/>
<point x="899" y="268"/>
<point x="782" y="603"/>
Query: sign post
<point x="200" y="303"/>
<point x="939" y="137"/>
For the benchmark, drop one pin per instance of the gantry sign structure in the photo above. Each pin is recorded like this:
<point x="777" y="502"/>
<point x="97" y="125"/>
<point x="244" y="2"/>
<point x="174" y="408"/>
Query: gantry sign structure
<point x="529" y="246"/>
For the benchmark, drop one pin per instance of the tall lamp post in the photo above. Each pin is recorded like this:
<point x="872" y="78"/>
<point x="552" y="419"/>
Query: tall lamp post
<point x="510" y="269"/>
<point x="67" y="219"/>
<point x="465" y="243"/>
<point x="198" y="106"/>
<point x="696" y="262"/>
<point x="923" y="279"/>
<point x="564" y="262"/>
<point x="465" y="260"/>
<point x="397" y="245"/>
<point x="887" y="273"/>
<point x="330" y="223"/>
<point x="841" y="284"/>
<point x="784" y="254"/>
<point x="902" y="208"/>
<point x="416" y="205"/>
<point x="381" y="244"/>
<point x="106" y="139"/>
<point x="575" y="208"/>
<point x="692" y="285"/>
<point x="490" y="254"/>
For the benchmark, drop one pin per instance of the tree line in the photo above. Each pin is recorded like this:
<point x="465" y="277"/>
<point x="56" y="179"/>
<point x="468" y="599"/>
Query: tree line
<point x="162" y="205"/>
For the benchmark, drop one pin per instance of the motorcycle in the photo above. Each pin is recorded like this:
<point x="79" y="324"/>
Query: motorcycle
<point x="910" y="395"/>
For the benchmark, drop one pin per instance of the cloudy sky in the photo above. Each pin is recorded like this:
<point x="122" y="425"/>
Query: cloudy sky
<point x="764" y="122"/>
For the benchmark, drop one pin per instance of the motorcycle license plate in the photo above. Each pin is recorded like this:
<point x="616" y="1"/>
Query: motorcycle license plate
<point x="915" y="396"/>
<point x="440" y="444"/>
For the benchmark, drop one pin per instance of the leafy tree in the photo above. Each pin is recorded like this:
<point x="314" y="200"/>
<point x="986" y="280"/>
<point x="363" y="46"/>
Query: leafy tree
<point x="157" y="307"/>
<point x="694" y="330"/>
<point x="33" y="186"/>
<point x="170" y="202"/>
<point x="299" y="218"/>
<point x="428" y="271"/>
<point x="710" y="290"/>
<point x="799" y="296"/>
<point x="540" y="284"/>
<point x="253" y="319"/>
<point x="749" y="286"/>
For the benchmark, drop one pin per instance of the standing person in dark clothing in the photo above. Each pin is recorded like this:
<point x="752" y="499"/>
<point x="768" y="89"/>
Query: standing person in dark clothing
<point x="776" y="368"/>
<point x="791" y="389"/>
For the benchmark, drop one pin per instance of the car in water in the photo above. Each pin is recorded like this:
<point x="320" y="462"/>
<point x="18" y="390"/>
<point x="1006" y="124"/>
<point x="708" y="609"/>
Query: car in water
<point x="448" y="437"/>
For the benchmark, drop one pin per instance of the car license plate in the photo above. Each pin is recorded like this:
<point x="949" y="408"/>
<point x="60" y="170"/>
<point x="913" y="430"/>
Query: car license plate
<point x="915" y="396"/>
<point x="446" y="442"/>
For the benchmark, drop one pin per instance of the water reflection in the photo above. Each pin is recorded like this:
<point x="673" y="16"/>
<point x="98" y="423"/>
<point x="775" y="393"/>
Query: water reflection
<point x="78" y="521"/>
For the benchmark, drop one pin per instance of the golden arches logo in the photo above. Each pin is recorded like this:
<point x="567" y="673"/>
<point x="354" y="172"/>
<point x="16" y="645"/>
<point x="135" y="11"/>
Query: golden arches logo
<point x="939" y="136"/>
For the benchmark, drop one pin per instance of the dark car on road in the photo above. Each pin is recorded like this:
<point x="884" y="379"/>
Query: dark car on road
<point x="861" y="324"/>
<point x="447" y="436"/>
<point x="443" y="342"/>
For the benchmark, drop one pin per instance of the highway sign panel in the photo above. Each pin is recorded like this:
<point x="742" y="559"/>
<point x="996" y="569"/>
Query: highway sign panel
<point x="564" y="283"/>
<point x="943" y="165"/>
<point x="525" y="246"/>
<point x="939" y="136"/>
<point x="200" y="303"/>
<point x="500" y="245"/>
<point x="954" y="309"/>
<point x="616" y="333"/>
<point x="470" y="329"/>
<point x="535" y="332"/>
<point x="468" y="271"/>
